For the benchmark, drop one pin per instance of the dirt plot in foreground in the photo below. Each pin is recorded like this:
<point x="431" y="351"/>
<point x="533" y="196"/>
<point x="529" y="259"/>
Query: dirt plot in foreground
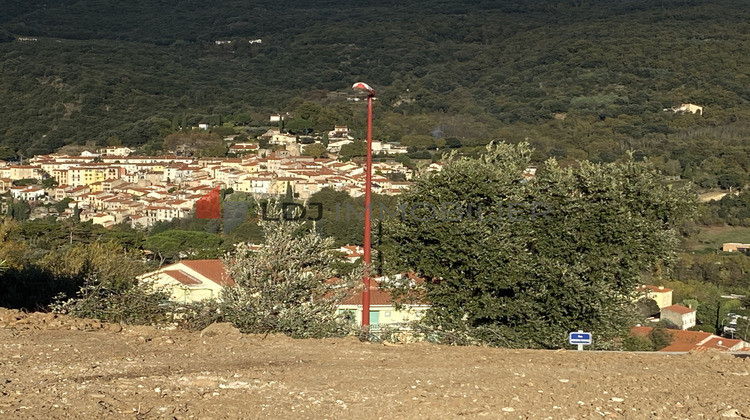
<point x="54" y="368"/>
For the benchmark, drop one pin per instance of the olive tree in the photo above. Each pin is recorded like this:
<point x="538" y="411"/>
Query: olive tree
<point x="517" y="260"/>
<point x="286" y="286"/>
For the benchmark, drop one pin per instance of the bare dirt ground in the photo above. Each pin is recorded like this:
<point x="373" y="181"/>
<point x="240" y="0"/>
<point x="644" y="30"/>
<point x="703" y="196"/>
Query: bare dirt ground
<point x="61" y="368"/>
<point x="714" y="195"/>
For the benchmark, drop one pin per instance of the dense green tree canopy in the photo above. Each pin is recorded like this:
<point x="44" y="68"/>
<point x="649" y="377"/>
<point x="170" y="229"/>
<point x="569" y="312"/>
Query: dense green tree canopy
<point x="580" y="80"/>
<point x="513" y="262"/>
<point x="175" y="244"/>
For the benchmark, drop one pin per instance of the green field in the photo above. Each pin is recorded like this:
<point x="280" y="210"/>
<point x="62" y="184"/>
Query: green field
<point x="712" y="237"/>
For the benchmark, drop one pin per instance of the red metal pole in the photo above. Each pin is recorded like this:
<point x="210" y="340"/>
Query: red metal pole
<point x="368" y="192"/>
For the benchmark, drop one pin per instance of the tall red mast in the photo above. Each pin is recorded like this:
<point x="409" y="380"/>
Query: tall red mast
<point x="368" y="207"/>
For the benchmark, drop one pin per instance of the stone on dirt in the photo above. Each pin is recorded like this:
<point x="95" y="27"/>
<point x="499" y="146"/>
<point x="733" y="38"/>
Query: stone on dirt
<point x="221" y="329"/>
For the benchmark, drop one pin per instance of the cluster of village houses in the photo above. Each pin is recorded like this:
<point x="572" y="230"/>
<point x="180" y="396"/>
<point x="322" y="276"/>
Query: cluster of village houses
<point x="113" y="186"/>
<point x="683" y="318"/>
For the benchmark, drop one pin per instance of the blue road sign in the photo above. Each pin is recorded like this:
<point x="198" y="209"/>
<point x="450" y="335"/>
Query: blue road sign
<point x="579" y="337"/>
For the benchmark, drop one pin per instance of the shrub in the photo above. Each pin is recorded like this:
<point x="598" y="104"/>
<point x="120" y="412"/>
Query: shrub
<point x="287" y="286"/>
<point x="137" y="304"/>
<point x="109" y="289"/>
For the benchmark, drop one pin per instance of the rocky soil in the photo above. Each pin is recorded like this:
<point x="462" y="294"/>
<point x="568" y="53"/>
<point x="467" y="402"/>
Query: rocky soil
<point x="56" y="367"/>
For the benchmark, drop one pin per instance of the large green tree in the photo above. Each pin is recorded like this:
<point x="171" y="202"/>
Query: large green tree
<point x="174" y="244"/>
<point x="520" y="262"/>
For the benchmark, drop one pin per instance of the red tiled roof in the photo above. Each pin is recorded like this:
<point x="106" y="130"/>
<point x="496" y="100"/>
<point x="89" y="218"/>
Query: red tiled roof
<point x="211" y="269"/>
<point x="377" y="297"/>
<point x="686" y="340"/>
<point x="678" y="309"/>
<point x="380" y="296"/>
<point x="691" y="340"/>
<point x="721" y="343"/>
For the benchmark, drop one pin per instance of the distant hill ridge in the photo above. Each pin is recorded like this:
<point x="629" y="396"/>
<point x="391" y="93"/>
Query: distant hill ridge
<point x="134" y="71"/>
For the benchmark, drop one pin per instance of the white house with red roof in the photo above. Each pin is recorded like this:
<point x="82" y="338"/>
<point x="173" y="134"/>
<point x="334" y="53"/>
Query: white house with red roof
<point x="383" y="305"/>
<point x="255" y="184"/>
<point x="190" y="280"/>
<point x="339" y="131"/>
<point x="681" y="316"/>
<point x="195" y="280"/>
<point x="243" y="148"/>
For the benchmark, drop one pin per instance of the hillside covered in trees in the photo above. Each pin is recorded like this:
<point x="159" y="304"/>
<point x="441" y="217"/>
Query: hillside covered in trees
<point x="584" y="79"/>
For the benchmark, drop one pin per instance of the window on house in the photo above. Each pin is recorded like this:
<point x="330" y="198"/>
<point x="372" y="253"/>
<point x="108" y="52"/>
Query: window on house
<point x="348" y="315"/>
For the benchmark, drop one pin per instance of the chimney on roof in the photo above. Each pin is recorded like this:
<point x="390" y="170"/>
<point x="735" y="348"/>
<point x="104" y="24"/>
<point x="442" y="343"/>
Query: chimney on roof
<point x="661" y="287"/>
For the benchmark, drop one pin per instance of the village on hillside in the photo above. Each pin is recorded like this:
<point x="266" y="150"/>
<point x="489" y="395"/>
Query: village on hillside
<point x="113" y="185"/>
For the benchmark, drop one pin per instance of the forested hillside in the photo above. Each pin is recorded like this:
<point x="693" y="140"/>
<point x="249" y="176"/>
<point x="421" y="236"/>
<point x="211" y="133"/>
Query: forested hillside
<point x="579" y="79"/>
